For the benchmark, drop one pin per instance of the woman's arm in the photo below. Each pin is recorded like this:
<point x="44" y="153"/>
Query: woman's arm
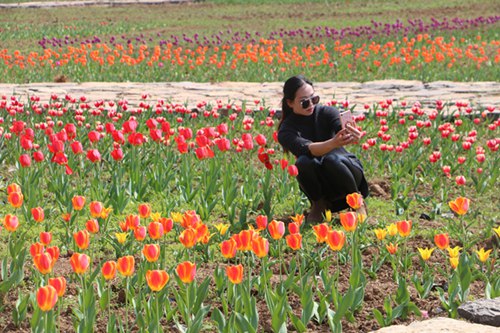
<point x="342" y="138"/>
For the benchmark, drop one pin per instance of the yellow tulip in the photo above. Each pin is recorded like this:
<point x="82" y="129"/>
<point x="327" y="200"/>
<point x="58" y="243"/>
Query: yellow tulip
<point x="483" y="255"/>
<point x="392" y="229"/>
<point x="425" y="253"/>
<point x="454" y="252"/>
<point x="222" y="228"/>
<point x="121" y="237"/>
<point x="454" y="262"/>
<point x="380" y="233"/>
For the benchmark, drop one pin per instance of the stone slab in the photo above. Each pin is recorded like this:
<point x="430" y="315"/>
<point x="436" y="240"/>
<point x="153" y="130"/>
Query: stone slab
<point x="440" y="325"/>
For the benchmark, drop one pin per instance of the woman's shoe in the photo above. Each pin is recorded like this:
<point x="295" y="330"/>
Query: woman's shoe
<point x="317" y="210"/>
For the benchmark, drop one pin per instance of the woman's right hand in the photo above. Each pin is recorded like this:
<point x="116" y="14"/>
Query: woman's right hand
<point x="343" y="138"/>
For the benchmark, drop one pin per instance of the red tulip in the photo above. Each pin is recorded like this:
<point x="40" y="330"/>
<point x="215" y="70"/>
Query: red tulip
<point x="36" y="248"/>
<point x="92" y="226"/>
<point x="228" y="248"/>
<point x="261" y="221"/>
<point x="46" y="298"/>
<point x="276" y="229"/>
<point x="260" y="246"/>
<point x="335" y="239"/>
<point x="294" y="228"/>
<point x="93" y="155"/>
<point x="15" y="199"/>
<point x="321" y="232"/>
<point x="235" y="273"/>
<point x="78" y="202"/>
<point x="13" y="188"/>
<point x="125" y="265"/>
<point x="96" y="208"/>
<point x="108" y="270"/>
<point x="151" y="252"/>
<point x="43" y="262"/>
<point x="79" y="262"/>
<point x="144" y="210"/>
<point x="294" y="241"/>
<point x="157" y="279"/>
<point x="25" y="160"/>
<point x="155" y="230"/>
<point x="140" y="233"/>
<point x="349" y="221"/>
<point x="404" y="228"/>
<point x="442" y="241"/>
<point x="10" y="222"/>
<point x="45" y="238"/>
<point x="38" y="214"/>
<point x="59" y="285"/>
<point x="354" y="200"/>
<point x="292" y="170"/>
<point x="82" y="239"/>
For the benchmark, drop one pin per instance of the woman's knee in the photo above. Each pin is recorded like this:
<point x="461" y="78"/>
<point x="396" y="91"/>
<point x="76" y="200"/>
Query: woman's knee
<point x="304" y="163"/>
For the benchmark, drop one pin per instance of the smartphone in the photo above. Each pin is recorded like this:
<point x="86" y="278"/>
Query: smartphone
<point x="346" y="118"/>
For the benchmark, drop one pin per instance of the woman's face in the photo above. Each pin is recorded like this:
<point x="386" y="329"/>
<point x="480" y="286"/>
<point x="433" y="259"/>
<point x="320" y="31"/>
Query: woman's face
<point x="304" y="95"/>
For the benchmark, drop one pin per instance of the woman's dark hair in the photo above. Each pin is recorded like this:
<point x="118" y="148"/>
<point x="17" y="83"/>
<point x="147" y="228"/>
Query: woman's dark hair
<point x="289" y="90"/>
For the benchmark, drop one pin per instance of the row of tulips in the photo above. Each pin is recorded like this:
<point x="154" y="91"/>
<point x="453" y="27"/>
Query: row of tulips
<point x="423" y="56"/>
<point x="112" y="145"/>
<point x="316" y="34"/>
<point x="263" y="241"/>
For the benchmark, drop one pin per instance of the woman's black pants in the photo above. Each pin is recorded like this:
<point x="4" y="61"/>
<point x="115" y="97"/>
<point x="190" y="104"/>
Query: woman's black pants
<point x="331" y="177"/>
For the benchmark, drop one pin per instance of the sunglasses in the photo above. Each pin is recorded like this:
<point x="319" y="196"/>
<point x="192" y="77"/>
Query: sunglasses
<point x="305" y="103"/>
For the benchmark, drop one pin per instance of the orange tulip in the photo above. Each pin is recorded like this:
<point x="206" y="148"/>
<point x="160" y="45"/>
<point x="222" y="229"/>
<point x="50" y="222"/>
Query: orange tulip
<point x="14" y="188"/>
<point x="10" y="222"/>
<point x="155" y="230"/>
<point x="36" y="248"/>
<point x="298" y="218"/>
<point x="96" y="208"/>
<point x="15" y="199"/>
<point x="404" y="228"/>
<point x="244" y="240"/>
<point x="188" y="238"/>
<point x="133" y="221"/>
<point x="392" y="248"/>
<point x="78" y="202"/>
<point x="354" y="200"/>
<point x="43" y="262"/>
<point x="45" y="238"/>
<point x="54" y="253"/>
<point x="157" y="279"/>
<point x="202" y="231"/>
<point x="151" y="252"/>
<point x="167" y="224"/>
<point x="46" y="297"/>
<point x="335" y="239"/>
<point x="460" y="205"/>
<point x="186" y="271"/>
<point x="108" y="270"/>
<point x="140" y="233"/>
<point x="294" y="241"/>
<point x="294" y="228"/>
<point x="349" y="221"/>
<point x="126" y="265"/>
<point x="144" y="210"/>
<point x="276" y="229"/>
<point x="38" y="214"/>
<point x="228" y="248"/>
<point x="261" y="221"/>
<point x="82" y="239"/>
<point x="442" y="241"/>
<point x="260" y="246"/>
<point x="92" y="226"/>
<point x="190" y="219"/>
<point x="59" y="285"/>
<point x="79" y="262"/>
<point x="235" y="273"/>
<point x="321" y="232"/>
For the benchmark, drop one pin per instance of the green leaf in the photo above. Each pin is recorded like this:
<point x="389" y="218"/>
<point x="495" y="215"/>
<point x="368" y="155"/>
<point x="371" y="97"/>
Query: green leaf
<point x="219" y="319"/>
<point x="242" y="324"/>
<point x="379" y="317"/>
<point x="297" y="323"/>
